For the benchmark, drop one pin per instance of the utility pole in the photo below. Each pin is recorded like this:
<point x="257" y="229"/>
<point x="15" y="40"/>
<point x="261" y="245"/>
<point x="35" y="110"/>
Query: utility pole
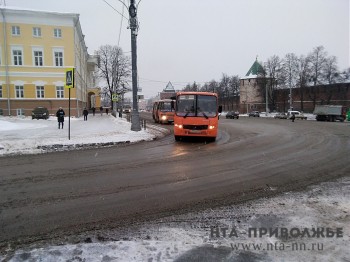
<point x="266" y="98"/>
<point x="135" y="118"/>
<point x="290" y="94"/>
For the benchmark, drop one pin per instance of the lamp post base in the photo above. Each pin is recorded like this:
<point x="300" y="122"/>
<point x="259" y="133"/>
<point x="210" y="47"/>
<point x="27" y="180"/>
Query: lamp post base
<point x="135" y="121"/>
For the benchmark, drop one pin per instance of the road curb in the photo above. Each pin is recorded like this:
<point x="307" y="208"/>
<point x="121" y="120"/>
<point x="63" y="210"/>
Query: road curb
<point x="159" y="132"/>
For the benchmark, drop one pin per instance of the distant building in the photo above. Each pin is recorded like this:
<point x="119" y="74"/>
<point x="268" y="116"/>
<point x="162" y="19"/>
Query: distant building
<point x="168" y="92"/>
<point x="304" y="99"/>
<point x="36" y="48"/>
<point x="253" y="97"/>
<point x="251" y="84"/>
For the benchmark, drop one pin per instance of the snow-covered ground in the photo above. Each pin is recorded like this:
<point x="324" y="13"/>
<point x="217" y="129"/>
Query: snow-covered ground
<point x="189" y="237"/>
<point x="26" y="136"/>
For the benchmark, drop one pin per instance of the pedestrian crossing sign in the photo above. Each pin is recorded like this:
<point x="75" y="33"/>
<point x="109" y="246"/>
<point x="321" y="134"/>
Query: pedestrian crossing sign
<point x="70" y="78"/>
<point x="115" y="98"/>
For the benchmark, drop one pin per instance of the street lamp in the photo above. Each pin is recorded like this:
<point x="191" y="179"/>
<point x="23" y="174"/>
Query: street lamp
<point x="135" y="118"/>
<point x="132" y="10"/>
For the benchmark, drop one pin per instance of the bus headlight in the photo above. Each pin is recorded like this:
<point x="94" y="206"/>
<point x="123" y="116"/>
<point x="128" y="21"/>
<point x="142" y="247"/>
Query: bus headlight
<point x="178" y="126"/>
<point x="211" y="127"/>
<point x="163" y="117"/>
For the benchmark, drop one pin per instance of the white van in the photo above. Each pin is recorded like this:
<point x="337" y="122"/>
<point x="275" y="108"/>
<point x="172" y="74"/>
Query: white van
<point x="298" y="115"/>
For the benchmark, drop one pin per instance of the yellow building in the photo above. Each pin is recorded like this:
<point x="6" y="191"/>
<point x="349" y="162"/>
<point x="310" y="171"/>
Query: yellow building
<point x="36" y="48"/>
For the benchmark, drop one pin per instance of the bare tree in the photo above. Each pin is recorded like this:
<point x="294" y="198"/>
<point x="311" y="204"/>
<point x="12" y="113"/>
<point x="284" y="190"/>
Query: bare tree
<point x="290" y="71"/>
<point x="114" y="69"/>
<point x="345" y="75"/>
<point x="193" y="87"/>
<point x="214" y="86"/>
<point x="234" y="85"/>
<point x="234" y="91"/>
<point x="224" y="86"/>
<point x="303" y="74"/>
<point x="273" y="78"/>
<point x="290" y="74"/>
<point x="331" y="73"/>
<point x="317" y="60"/>
<point x="331" y="76"/>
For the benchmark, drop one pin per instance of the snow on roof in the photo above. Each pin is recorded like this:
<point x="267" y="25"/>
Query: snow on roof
<point x="16" y="8"/>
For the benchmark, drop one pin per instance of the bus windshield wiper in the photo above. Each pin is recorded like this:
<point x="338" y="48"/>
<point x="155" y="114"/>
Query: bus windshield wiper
<point x="204" y="114"/>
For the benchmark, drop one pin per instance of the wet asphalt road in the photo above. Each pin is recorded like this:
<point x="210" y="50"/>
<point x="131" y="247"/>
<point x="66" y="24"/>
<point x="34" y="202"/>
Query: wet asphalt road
<point x="60" y="194"/>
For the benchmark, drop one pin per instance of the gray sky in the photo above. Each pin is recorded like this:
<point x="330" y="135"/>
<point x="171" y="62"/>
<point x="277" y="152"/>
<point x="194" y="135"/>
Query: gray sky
<point x="183" y="41"/>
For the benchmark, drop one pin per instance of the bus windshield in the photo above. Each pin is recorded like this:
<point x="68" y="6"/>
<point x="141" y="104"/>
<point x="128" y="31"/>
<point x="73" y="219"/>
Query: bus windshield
<point x="165" y="107"/>
<point x="196" y="105"/>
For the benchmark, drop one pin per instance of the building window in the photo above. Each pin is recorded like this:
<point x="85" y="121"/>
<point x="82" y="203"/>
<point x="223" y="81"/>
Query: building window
<point x="59" y="92"/>
<point x="20" y="112"/>
<point x="58" y="58"/>
<point x="57" y="32"/>
<point x="0" y="91"/>
<point x="19" y="91"/>
<point x="36" y="31"/>
<point x="17" y="57"/>
<point x="38" y="58"/>
<point x="40" y="93"/>
<point x="16" y="30"/>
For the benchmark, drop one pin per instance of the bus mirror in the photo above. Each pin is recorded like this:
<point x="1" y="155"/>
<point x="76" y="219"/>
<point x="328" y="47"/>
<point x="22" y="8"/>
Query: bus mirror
<point x="220" y="109"/>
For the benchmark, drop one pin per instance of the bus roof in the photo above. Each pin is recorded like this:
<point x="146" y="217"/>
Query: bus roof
<point x="163" y="100"/>
<point x="196" y="93"/>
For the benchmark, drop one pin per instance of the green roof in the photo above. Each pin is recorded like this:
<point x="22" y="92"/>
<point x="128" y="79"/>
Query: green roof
<point x="256" y="69"/>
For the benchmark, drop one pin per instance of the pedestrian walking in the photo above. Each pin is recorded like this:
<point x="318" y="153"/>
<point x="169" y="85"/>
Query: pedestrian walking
<point x="107" y="111"/>
<point x="93" y="111"/>
<point x="60" y="117"/>
<point x="101" y="110"/>
<point x="292" y="117"/>
<point x="85" y="113"/>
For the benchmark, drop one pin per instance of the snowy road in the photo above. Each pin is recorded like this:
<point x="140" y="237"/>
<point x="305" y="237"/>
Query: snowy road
<point x="63" y="194"/>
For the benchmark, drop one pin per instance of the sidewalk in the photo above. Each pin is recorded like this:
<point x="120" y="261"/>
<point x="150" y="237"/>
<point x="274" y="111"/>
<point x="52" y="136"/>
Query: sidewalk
<point x="20" y="135"/>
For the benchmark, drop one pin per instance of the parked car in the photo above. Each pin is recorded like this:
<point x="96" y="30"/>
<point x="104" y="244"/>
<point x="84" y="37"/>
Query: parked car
<point x="40" y="113"/>
<point x="297" y="114"/>
<point x="232" y="115"/>
<point x="254" y="114"/>
<point x="281" y="116"/>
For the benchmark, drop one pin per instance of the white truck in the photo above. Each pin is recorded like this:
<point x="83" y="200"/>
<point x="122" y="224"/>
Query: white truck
<point x="330" y="113"/>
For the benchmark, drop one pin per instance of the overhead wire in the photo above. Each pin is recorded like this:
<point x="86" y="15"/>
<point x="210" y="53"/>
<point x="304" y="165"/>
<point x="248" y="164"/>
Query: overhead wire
<point x="115" y="10"/>
<point x="143" y="79"/>
<point x="121" y="23"/>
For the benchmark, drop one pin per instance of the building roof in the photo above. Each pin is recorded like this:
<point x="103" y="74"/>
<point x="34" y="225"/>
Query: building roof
<point x="28" y="10"/>
<point x="169" y="88"/>
<point x="255" y="70"/>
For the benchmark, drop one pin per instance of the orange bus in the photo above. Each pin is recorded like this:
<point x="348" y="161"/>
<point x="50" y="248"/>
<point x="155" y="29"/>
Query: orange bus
<point x="196" y="115"/>
<point x="163" y="111"/>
